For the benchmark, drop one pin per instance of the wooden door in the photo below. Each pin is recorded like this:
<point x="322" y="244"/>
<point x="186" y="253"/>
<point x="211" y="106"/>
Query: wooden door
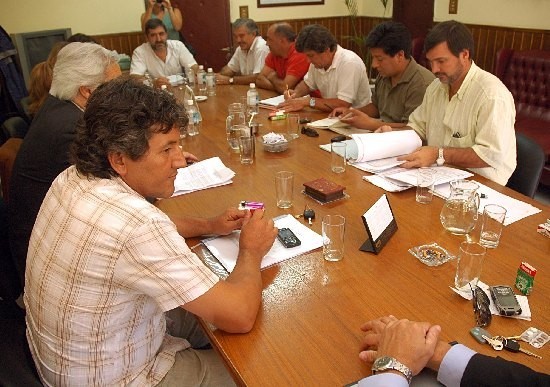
<point x="417" y="15"/>
<point x="207" y="27"/>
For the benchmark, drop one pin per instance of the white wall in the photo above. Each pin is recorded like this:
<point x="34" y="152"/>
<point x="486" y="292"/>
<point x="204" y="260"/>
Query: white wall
<point x="95" y="17"/>
<point x="510" y="13"/>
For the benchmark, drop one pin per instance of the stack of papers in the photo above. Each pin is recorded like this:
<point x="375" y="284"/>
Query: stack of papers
<point x="226" y="248"/>
<point x="337" y="126"/>
<point x="204" y="174"/>
<point x="272" y="103"/>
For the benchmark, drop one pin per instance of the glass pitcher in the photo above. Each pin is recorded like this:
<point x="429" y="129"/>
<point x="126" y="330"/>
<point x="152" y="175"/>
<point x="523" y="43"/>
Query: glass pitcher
<point x="235" y="118"/>
<point x="460" y="211"/>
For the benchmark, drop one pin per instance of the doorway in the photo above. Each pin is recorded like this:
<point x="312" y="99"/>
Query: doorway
<point x="207" y="28"/>
<point x="417" y="15"/>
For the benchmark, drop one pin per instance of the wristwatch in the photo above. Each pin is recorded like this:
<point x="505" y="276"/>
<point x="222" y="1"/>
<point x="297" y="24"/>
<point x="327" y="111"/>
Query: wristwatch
<point x="440" y="159"/>
<point x="386" y="363"/>
<point x="231" y="80"/>
<point x="312" y="102"/>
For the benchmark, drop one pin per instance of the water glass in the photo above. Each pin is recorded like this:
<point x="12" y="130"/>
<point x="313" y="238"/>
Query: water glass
<point x="293" y="125"/>
<point x="491" y="228"/>
<point x="333" y="229"/>
<point x="338" y="157"/>
<point x="234" y="135"/>
<point x="468" y="266"/>
<point x="425" y="178"/>
<point x="284" y="187"/>
<point x="246" y="147"/>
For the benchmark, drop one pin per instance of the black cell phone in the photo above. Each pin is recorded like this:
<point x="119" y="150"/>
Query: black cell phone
<point x="338" y="138"/>
<point x="505" y="300"/>
<point x="288" y="238"/>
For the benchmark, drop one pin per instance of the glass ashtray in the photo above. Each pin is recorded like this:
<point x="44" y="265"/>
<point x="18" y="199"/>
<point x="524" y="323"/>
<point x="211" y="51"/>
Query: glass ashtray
<point x="432" y="254"/>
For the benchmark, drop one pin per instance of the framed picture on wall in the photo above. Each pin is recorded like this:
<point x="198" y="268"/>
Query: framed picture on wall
<point x="284" y="3"/>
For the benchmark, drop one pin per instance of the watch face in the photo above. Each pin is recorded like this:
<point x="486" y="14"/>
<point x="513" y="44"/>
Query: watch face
<point x="312" y="102"/>
<point x="383" y="362"/>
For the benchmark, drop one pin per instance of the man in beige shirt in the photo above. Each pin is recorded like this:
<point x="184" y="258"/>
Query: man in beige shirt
<point x="467" y="116"/>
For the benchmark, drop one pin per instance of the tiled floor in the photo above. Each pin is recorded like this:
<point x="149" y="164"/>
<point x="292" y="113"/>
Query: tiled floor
<point x="543" y="194"/>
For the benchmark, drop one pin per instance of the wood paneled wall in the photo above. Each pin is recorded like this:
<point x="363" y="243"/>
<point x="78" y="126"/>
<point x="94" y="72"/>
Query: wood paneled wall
<point x="488" y="39"/>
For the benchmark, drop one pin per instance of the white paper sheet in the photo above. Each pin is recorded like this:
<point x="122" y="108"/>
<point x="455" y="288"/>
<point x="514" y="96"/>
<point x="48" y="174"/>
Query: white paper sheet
<point x="226" y="248"/>
<point x="201" y="175"/>
<point x="270" y="103"/>
<point x="443" y="175"/>
<point x="375" y="146"/>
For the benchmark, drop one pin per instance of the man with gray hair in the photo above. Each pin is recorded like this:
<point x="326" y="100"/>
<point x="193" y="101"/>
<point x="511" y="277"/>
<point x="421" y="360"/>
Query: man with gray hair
<point x="79" y="70"/>
<point x="284" y="66"/>
<point x="248" y="59"/>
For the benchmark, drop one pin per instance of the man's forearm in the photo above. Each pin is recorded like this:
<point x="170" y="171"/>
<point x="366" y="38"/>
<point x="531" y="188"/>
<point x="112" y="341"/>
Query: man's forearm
<point x="264" y="83"/>
<point x="189" y="227"/>
<point x="244" y="79"/>
<point x="463" y="157"/>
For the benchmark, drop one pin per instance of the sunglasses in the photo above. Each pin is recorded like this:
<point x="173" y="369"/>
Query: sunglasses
<point x="481" y="303"/>
<point x="309" y="132"/>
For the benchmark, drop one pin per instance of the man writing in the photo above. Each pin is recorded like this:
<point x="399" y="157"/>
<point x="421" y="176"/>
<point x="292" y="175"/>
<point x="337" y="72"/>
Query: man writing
<point x="248" y="59"/>
<point x="339" y="74"/>
<point x="105" y="264"/>
<point x="159" y="56"/>
<point x="284" y="66"/>
<point x="400" y="84"/>
<point x="467" y="115"/>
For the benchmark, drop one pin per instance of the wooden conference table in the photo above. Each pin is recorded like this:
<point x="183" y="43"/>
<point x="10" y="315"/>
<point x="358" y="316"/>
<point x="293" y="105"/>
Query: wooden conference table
<point x="307" y="331"/>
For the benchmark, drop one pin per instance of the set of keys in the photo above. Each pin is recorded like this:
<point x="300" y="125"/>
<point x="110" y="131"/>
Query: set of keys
<point x="308" y="215"/>
<point x="508" y="343"/>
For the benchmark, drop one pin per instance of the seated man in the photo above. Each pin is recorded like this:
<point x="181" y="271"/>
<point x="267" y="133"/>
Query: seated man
<point x="105" y="264"/>
<point x="467" y="115"/>
<point x="159" y="56"/>
<point x="400" y="84"/>
<point x="399" y="349"/>
<point x="248" y="59"/>
<point x="80" y="68"/>
<point x="284" y="66"/>
<point x="339" y="74"/>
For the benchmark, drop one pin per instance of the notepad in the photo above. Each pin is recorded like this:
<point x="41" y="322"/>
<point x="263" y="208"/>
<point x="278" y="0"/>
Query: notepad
<point x="271" y="103"/>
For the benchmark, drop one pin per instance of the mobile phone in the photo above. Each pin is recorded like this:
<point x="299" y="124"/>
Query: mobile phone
<point x="505" y="300"/>
<point x="478" y="333"/>
<point x="288" y="238"/>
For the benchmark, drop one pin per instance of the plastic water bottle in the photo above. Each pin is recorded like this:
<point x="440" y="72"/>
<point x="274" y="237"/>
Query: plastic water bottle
<point x="190" y="76"/>
<point x="252" y="99"/>
<point x="201" y="80"/>
<point x="210" y="82"/>
<point x="195" y="121"/>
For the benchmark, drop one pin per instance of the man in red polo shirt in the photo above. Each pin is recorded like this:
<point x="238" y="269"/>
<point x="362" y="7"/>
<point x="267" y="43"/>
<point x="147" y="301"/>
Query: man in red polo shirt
<point x="284" y="66"/>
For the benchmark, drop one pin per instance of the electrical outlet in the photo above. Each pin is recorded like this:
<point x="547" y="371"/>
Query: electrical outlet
<point x="453" y="6"/>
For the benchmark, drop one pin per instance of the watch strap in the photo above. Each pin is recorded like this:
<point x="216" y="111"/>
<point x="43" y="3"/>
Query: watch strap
<point x="390" y="363"/>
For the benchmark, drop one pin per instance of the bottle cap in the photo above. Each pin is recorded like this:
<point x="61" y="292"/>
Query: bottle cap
<point x="201" y="67"/>
<point x="210" y="70"/>
<point x="253" y="85"/>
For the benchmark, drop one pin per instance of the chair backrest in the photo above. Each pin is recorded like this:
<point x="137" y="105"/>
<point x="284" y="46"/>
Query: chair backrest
<point x="530" y="161"/>
<point x="8" y="152"/>
<point x="527" y="75"/>
<point x="15" y="127"/>
<point x="418" y="53"/>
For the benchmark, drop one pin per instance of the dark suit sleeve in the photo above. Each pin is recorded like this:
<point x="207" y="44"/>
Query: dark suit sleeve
<point x="495" y="371"/>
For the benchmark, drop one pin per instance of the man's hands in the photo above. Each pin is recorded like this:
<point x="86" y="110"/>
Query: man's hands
<point x="222" y="79"/>
<point x="190" y="158"/>
<point x="414" y="344"/>
<point x="356" y="118"/>
<point x="257" y="234"/>
<point x="293" y="104"/>
<point x="232" y="219"/>
<point x="422" y="157"/>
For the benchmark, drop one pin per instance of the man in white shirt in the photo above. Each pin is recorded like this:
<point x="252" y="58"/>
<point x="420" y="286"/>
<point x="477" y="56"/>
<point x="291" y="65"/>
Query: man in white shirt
<point x="159" y="56"/>
<point x="338" y="74"/>
<point x="467" y="116"/>
<point x="112" y="289"/>
<point x="248" y="59"/>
